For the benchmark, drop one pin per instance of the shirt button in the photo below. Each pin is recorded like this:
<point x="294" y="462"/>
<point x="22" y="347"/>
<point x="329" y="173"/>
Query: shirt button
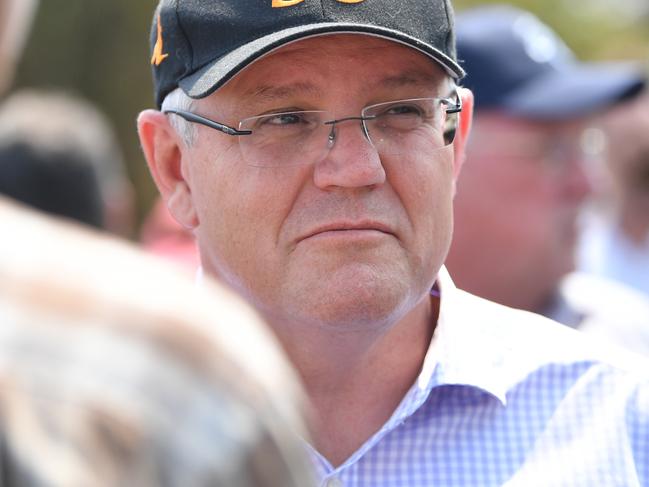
<point x="333" y="482"/>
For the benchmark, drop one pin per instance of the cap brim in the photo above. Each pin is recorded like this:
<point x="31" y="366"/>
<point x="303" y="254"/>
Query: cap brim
<point x="579" y="91"/>
<point x="210" y="77"/>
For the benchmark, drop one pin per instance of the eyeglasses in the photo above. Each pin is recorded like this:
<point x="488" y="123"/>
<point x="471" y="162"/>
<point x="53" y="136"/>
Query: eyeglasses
<point x="306" y="136"/>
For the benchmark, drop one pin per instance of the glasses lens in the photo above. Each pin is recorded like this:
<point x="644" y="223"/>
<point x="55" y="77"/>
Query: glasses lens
<point x="285" y="139"/>
<point x="305" y="137"/>
<point x="401" y="126"/>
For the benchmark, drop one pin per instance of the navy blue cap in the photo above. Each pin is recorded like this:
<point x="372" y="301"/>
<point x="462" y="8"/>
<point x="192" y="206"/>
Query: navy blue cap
<point x="201" y="44"/>
<point x="517" y="64"/>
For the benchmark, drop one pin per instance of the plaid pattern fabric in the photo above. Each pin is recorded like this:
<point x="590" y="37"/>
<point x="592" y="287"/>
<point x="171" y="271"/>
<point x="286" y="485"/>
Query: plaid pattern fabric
<point x="509" y="398"/>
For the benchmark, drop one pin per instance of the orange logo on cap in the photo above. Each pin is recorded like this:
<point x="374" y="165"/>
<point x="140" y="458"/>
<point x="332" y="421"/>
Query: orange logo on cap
<point x="288" y="3"/>
<point x="158" y="57"/>
<point x="285" y="3"/>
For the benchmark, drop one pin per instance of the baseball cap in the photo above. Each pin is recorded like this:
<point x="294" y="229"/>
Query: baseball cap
<point x="199" y="45"/>
<point x="517" y="64"/>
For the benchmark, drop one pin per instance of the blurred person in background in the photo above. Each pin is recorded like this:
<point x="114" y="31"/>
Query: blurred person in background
<point x="137" y="378"/>
<point x="59" y="154"/>
<point x="16" y="17"/>
<point x="615" y="242"/>
<point x="525" y="181"/>
<point x="162" y="235"/>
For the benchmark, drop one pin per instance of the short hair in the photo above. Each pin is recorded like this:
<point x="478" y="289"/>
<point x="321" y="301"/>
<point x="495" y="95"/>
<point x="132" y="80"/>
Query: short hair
<point x="59" y="154"/>
<point x="115" y="369"/>
<point x="178" y="100"/>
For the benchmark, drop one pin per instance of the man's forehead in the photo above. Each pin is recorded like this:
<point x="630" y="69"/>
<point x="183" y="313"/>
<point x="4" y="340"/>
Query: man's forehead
<point x="290" y="70"/>
<point x="411" y="78"/>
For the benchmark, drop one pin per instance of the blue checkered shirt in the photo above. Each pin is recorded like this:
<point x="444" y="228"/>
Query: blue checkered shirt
<point x="509" y="398"/>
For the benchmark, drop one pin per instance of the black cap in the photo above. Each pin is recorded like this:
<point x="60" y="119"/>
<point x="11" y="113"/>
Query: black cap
<point x="200" y="44"/>
<point x="517" y="64"/>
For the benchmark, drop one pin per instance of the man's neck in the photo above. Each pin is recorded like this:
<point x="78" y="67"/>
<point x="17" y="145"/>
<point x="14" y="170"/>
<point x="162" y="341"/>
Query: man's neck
<point x="356" y="380"/>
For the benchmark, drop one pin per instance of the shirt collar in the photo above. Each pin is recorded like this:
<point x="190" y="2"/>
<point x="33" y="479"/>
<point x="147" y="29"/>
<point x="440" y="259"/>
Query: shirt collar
<point x="462" y="352"/>
<point x="465" y="350"/>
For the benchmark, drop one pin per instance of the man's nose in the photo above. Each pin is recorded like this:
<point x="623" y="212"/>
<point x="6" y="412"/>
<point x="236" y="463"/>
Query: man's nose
<point x="351" y="160"/>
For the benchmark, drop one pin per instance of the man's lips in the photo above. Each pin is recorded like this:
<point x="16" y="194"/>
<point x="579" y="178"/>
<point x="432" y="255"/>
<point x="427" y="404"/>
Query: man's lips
<point x="347" y="228"/>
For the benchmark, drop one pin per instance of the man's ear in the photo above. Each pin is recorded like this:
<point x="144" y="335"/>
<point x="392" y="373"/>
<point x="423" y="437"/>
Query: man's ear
<point x="163" y="150"/>
<point x="463" y="130"/>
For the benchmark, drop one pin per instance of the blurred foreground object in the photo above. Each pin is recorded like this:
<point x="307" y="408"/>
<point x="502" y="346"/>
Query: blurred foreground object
<point x="15" y="19"/>
<point x="616" y="238"/>
<point x="58" y="154"/>
<point x="137" y="378"/>
<point x="525" y="179"/>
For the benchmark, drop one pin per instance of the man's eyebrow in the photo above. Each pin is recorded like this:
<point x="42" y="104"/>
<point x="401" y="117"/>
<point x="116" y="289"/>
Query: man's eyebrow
<point x="268" y="93"/>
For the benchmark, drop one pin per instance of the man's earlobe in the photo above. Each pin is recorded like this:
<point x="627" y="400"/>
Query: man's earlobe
<point x="181" y="206"/>
<point x="162" y="149"/>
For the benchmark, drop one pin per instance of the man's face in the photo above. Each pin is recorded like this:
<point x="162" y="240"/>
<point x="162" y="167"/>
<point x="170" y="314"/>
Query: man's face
<point x="353" y="239"/>
<point x="517" y="204"/>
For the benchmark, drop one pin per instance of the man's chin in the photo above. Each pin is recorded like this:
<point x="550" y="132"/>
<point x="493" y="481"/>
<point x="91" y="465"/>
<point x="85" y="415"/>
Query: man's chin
<point x="355" y="303"/>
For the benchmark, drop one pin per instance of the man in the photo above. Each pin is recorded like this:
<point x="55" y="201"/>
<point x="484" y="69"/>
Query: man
<point x="616" y="238"/>
<point x="525" y="179"/>
<point x="313" y="148"/>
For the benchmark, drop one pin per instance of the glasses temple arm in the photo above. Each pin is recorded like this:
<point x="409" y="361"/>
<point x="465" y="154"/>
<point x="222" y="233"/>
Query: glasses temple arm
<point x="453" y="106"/>
<point x="192" y="117"/>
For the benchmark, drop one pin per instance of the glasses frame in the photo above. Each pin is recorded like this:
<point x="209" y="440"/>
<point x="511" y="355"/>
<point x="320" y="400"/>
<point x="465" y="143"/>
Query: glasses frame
<point x="452" y="107"/>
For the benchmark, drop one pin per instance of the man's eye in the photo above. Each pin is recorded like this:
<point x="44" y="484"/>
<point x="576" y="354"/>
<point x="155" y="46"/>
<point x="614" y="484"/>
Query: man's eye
<point x="281" y="119"/>
<point x="403" y="110"/>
